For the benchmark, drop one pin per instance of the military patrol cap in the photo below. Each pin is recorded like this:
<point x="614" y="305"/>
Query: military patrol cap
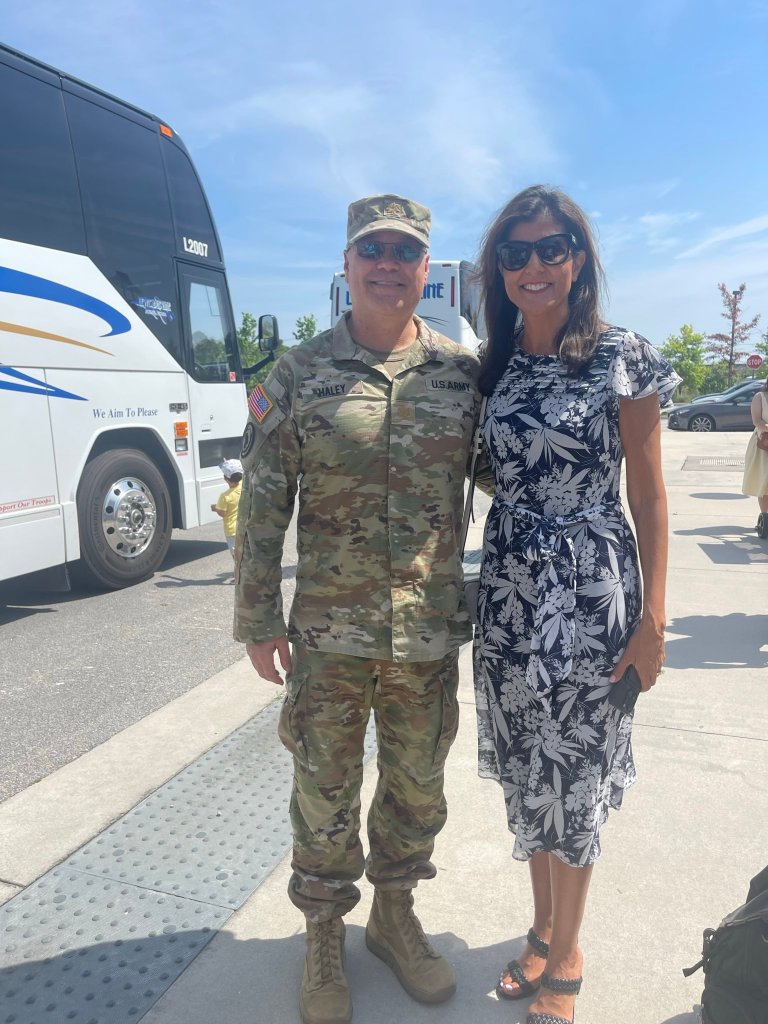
<point x="388" y="213"/>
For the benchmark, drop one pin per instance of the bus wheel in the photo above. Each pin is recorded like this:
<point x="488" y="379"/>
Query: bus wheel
<point x="124" y="510"/>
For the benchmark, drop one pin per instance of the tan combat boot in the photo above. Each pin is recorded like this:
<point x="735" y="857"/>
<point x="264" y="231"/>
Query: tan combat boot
<point x="394" y="934"/>
<point x="324" y="997"/>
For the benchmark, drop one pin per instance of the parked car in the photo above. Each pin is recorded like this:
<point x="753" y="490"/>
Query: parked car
<point x="724" y="412"/>
<point x="752" y="386"/>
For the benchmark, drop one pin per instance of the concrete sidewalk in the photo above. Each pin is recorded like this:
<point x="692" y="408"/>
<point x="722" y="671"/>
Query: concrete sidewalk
<point x="677" y="858"/>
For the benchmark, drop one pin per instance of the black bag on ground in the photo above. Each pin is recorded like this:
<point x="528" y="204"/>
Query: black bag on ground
<point x="735" y="962"/>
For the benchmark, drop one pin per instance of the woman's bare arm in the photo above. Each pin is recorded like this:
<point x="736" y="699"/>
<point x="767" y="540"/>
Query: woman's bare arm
<point x="640" y="429"/>
<point x="756" y="408"/>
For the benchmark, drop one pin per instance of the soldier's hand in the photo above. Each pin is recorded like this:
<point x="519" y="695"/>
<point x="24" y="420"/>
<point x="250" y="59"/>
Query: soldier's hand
<point x="262" y="657"/>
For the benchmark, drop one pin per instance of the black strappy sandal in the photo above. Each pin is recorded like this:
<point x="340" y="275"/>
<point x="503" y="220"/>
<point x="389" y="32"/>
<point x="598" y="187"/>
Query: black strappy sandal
<point x="515" y="971"/>
<point x="567" y="986"/>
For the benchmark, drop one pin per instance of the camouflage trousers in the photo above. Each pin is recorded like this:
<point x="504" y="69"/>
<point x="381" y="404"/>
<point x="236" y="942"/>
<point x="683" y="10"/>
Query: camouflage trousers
<point x="328" y="701"/>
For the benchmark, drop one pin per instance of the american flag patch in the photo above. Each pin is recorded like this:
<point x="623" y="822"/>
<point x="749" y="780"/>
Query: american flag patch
<point x="259" y="403"/>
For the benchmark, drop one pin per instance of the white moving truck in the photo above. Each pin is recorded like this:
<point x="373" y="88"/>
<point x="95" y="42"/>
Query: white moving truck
<point x="450" y="303"/>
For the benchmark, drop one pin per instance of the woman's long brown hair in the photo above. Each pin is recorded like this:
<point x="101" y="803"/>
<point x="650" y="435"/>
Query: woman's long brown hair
<point x="578" y="338"/>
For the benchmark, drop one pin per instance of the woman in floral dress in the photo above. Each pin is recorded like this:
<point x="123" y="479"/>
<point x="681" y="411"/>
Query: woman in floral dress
<point x="562" y="612"/>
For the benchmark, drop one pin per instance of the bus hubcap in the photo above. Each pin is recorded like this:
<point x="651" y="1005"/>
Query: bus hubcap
<point x="129" y="517"/>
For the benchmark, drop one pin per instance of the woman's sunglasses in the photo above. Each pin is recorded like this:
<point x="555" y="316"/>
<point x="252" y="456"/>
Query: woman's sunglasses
<point x="403" y="253"/>
<point x="552" y="250"/>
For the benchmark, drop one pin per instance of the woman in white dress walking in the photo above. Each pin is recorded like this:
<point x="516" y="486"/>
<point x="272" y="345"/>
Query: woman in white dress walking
<point x="756" y="460"/>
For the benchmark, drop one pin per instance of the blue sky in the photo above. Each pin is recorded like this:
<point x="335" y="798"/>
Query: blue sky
<point x="653" y="115"/>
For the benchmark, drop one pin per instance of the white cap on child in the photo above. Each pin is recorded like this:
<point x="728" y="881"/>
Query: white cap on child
<point x="231" y="466"/>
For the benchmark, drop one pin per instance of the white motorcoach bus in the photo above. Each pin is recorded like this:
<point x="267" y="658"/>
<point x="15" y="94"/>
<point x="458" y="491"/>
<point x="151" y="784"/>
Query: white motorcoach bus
<point x="121" y="387"/>
<point x="450" y="302"/>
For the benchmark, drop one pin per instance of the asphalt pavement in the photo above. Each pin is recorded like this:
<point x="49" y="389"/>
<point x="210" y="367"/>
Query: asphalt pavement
<point x="77" y="668"/>
<point x="676" y="859"/>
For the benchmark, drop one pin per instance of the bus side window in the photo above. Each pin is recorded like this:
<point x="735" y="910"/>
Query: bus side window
<point x="39" y="200"/>
<point x="194" y="228"/>
<point x="211" y="333"/>
<point x="127" y="212"/>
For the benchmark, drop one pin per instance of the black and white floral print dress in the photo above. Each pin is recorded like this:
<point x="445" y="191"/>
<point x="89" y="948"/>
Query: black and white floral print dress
<point x="560" y="593"/>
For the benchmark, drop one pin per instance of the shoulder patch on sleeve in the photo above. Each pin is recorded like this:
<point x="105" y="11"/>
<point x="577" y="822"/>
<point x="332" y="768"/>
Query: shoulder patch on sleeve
<point x="259" y="403"/>
<point x="275" y="388"/>
<point x="249" y="436"/>
<point x="265" y="414"/>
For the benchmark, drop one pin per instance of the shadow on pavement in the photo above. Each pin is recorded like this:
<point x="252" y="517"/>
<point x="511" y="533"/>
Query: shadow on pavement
<point x="185" y="550"/>
<point x="727" y="530"/>
<point x="737" y="545"/>
<point x="253" y="981"/>
<point x="163" y="580"/>
<point x="718" y="641"/>
<point x="31" y="595"/>
<point x="721" y="496"/>
<point x="27" y="595"/>
<point x="19" y="602"/>
<point x="117" y="980"/>
<point x="10" y="612"/>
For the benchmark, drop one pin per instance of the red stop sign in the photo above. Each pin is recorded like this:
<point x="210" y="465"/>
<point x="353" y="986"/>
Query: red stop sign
<point x="754" y="362"/>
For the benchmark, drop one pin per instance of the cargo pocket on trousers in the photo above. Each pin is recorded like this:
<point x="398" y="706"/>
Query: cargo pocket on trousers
<point x="290" y="727"/>
<point x="449" y="726"/>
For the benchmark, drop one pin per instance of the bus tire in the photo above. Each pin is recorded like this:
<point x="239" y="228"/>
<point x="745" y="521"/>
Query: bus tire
<point x="124" y="512"/>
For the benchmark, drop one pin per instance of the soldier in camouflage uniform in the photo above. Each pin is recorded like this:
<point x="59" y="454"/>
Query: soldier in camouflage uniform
<point x="371" y="424"/>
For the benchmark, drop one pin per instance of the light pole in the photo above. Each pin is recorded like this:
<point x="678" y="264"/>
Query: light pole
<point x="737" y="293"/>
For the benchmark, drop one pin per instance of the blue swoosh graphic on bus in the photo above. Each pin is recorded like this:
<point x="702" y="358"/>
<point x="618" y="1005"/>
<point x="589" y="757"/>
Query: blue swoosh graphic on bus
<point x="16" y="282"/>
<point x="40" y="387"/>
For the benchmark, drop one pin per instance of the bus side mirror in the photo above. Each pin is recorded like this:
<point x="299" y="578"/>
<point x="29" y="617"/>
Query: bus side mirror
<point x="269" y="335"/>
<point x="269" y="339"/>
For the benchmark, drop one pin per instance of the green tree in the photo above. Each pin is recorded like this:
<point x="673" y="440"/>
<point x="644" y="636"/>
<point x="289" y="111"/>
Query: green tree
<point x="727" y="346"/>
<point x="306" y="327"/>
<point x="715" y="379"/>
<point x="209" y="352"/>
<point x="685" y="351"/>
<point x="210" y="355"/>
<point x="761" y="347"/>
<point x="248" y="340"/>
<point x="250" y="353"/>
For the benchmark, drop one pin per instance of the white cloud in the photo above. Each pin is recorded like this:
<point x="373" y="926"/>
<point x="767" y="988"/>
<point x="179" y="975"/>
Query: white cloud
<point x="304" y="102"/>
<point x="754" y="226"/>
<point x="663" y="221"/>
<point x="656" y="232"/>
<point x="663" y="188"/>
<point x="631" y="195"/>
<point x="656" y="301"/>
<point x="662" y="16"/>
<point x="657" y="228"/>
<point x="456" y="134"/>
<point x="290" y="111"/>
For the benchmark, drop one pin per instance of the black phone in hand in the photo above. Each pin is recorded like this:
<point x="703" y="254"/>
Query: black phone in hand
<point x="625" y="691"/>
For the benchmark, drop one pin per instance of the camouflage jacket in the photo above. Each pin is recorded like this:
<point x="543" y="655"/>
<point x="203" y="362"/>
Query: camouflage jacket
<point x="379" y="465"/>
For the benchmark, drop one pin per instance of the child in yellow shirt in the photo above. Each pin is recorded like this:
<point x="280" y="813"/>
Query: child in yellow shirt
<point x="226" y="506"/>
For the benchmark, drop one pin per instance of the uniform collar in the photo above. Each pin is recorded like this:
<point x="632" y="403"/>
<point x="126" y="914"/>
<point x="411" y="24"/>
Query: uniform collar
<point x="425" y="349"/>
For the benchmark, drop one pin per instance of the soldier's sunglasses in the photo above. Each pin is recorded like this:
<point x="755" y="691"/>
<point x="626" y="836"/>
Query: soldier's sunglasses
<point x="552" y="250"/>
<point x="402" y="252"/>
